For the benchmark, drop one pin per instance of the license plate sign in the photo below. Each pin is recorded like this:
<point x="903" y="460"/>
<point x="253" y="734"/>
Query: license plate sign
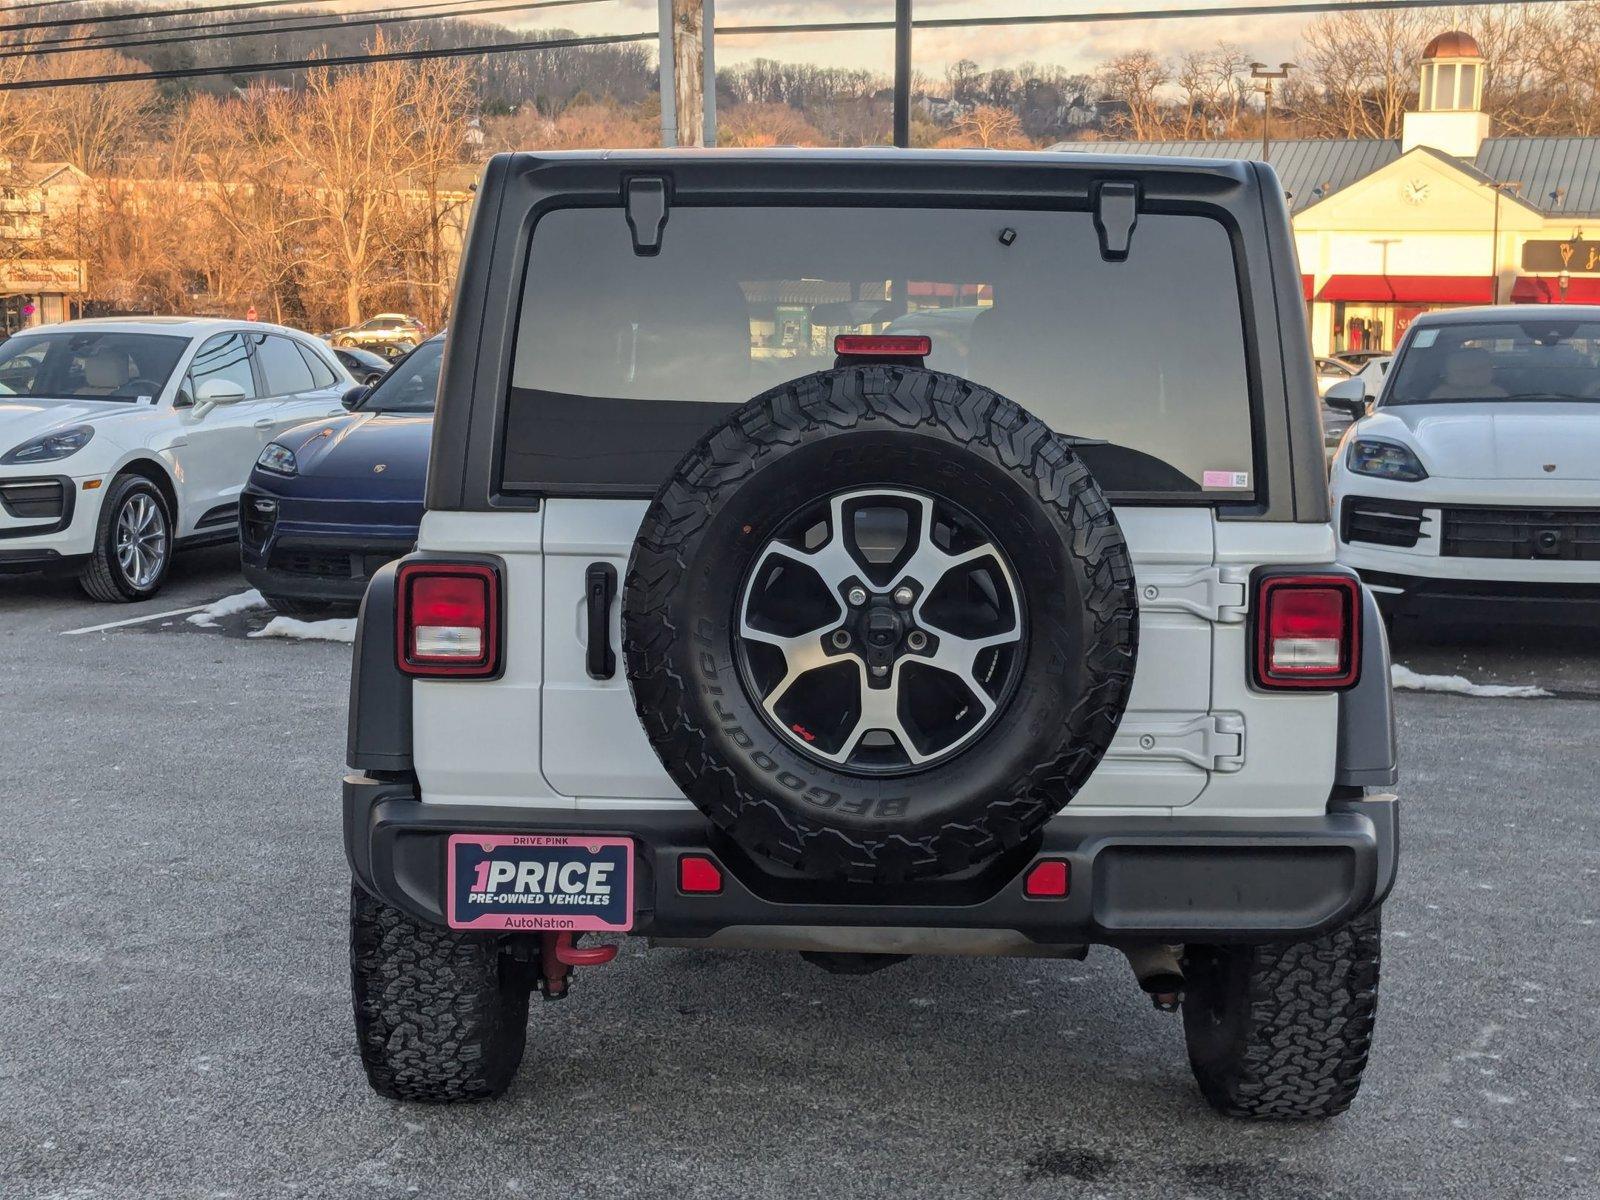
<point x="541" y="882"/>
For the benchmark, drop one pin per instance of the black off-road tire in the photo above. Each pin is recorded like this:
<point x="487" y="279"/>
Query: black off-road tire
<point x="826" y="434"/>
<point x="102" y="577"/>
<point x="1281" y="1033"/>
<point x="440" y="1016"/>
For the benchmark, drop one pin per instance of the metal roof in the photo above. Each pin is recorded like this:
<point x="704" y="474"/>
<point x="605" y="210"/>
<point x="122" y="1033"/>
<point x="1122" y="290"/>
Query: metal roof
<point x="1313" y="169"/>
<point x="1546" y="166"/>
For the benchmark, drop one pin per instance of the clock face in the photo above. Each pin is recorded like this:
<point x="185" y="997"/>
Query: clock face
<point x="1414" y="191"/>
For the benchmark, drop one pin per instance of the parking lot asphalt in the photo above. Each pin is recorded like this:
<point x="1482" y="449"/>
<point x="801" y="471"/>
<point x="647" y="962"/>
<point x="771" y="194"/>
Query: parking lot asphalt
<point x="174" y="1007"/>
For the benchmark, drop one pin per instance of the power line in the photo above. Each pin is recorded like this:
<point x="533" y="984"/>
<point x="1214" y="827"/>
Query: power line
<point x="278" y="18"/>
<point x="31" y="50"/>
<point x="147" y="14"/>
<point x="518" y="47"/>
<point x="1295" y="7"/>
<point x="332" y="60"/>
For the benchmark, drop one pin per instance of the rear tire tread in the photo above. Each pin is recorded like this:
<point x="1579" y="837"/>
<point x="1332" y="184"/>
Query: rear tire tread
<point x="441" y="1016"/>
<point x="1304" y="1025"/>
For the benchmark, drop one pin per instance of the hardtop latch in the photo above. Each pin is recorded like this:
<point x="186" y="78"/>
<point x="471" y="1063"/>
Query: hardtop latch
<point x="1116" y="212"/>
<point x="645" y="201"/>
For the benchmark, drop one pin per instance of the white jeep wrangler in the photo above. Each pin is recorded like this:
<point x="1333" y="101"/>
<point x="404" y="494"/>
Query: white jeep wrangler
<point x="869" y="554"/>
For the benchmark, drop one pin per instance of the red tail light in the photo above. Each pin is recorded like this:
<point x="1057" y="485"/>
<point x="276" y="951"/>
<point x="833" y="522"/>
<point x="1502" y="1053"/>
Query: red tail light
<point x="882" y="345"/>
<point x="449" y="619"/>
<point x="1308" y="632"/>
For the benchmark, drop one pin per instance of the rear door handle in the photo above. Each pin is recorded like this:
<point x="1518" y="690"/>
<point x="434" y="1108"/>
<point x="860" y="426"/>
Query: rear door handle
<point x="600" y="589"/>
<point x="265" y="423"/>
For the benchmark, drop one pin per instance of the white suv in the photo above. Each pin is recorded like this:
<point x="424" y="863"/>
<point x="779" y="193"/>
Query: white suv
<point x="1473" y="484"/>
<point x="123" y="440"/>
<point x="755" y="609"/>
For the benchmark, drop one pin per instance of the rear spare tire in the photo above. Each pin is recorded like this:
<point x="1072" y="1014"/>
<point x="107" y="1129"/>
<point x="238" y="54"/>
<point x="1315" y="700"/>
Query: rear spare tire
<point x="880" y="624"/>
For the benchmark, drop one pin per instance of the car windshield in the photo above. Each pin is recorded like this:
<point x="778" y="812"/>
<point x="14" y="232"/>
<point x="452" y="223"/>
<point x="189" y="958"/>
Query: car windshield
<point x="75" y="364"/>
<point x="412" y="386"/>
<point x="1544" y="358"/>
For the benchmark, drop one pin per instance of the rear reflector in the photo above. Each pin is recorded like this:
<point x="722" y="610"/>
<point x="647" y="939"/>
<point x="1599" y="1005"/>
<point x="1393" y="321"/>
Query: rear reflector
<point x="698" y="876"/>
<point x="449" y="619"/>
<point x="1048" y="880"/>
<point x="1308" y="632"/>
<point x="882" y="345"/>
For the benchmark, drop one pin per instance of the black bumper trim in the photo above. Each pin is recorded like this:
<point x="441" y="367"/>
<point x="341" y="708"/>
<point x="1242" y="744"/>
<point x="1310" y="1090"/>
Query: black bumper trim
<point x="1134" y="878"/>
<point x="1467" y="599"/>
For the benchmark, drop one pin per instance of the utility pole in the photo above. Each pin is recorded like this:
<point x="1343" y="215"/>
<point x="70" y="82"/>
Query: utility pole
<point x="902" y="73"/>
<point x="1260" y="71"/>
<point x="687" y="64"/>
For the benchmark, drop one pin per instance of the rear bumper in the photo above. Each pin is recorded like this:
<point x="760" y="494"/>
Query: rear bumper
<point x="1135" y="878"/>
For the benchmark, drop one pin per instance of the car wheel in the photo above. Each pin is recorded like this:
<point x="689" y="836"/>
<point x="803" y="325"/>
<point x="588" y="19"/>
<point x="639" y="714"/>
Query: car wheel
<point x="132" y="545"/>
<point x="880" y="624"/>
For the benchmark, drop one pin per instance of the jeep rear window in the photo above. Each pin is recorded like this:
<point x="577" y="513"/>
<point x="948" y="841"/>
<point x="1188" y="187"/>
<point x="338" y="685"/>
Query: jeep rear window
<point x="624" y="360"/>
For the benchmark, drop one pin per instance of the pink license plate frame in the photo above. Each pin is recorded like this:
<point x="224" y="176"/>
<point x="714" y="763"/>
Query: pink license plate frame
<point x="464" y="851"/>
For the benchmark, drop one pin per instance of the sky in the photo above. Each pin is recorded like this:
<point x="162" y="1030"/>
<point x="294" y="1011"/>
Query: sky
<point x="1271" y="39"/>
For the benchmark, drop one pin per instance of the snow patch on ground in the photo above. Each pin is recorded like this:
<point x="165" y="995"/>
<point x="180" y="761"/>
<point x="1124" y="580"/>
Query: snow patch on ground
<point x="207" y="617"/>
<point x="1459" y="685"/>
<point x="338" y="629"/>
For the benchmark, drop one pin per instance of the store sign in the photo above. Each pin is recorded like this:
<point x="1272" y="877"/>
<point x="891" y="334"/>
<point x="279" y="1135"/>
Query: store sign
<point x="41" y="275"/>
<point x="1575" y="254"/>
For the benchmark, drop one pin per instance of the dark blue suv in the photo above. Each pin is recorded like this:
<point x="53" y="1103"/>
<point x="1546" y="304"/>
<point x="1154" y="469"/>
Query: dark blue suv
<point x="331" y="501"/>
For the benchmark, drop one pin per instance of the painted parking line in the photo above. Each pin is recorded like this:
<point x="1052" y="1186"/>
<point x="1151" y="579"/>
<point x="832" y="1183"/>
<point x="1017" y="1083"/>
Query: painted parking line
<point x="176" y="612"/>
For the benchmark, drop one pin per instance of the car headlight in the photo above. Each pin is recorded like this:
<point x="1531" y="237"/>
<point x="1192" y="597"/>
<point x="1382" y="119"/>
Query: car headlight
<point x="51" y="446"/>
<point x="1386" y="460"/>
<point x="278" y="459"/>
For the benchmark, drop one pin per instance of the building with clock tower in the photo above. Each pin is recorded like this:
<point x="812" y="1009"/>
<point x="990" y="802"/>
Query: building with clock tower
<point x="1448" y="215"/>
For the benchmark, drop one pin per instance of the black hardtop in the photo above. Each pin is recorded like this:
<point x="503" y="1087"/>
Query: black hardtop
<point x="518" y="188"/>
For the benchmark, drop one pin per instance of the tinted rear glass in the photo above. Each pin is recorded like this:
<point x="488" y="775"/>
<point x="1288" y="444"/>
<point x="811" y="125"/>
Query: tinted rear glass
<point x="623" y="361"/>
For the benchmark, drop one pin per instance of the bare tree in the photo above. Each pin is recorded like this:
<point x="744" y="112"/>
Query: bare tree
<point x="1133" y="82"/>
<point x="766" y="125"/>
<point x="989" y="127"/>
<point x="353" y="145"/>
<point x="1358" y="72"/>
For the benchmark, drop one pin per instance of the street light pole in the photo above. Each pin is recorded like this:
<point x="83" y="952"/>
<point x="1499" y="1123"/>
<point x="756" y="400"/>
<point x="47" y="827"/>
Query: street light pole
<point x="1267" y="76"/>
<point x="1498" y="187"/>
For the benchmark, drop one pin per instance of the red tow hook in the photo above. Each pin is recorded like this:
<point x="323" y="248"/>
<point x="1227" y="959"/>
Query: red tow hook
<point x="557" y="957"/>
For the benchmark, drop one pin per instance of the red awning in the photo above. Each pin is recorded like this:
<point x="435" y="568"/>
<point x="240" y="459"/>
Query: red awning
<point x="1308" y="285"/>
<point x="1530" y="290"/>
<point x="1409" y="289"/>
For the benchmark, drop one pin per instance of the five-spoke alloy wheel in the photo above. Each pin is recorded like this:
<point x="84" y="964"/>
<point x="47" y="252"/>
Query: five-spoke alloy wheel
<point x="882" y="629"/>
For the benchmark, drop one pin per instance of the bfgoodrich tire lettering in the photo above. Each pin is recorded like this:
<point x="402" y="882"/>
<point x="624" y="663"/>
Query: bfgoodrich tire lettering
<point x="441" y="1016"/>
<point x="1282" y="1032"/>
<point x="838" y="432"/>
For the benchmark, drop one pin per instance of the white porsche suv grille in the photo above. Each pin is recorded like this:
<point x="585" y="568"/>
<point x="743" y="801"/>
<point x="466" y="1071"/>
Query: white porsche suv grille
<point x="1561" y="534"/>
